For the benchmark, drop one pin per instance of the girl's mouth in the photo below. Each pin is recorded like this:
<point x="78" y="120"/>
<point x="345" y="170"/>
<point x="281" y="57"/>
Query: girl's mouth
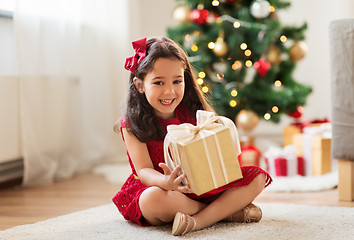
<point x="166" y="102"/>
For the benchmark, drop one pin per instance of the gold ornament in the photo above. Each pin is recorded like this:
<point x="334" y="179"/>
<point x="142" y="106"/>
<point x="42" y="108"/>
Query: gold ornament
<point x="273" y="55"/>
<point x="220" y="48"/>
<point x="247" y="120"/>
<point x="298" y="51"/>
<point x="182" y="14"/>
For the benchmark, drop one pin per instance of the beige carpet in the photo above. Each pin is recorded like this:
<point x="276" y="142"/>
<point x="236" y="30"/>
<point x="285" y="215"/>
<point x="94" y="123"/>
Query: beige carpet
<point x="280" y="221"/>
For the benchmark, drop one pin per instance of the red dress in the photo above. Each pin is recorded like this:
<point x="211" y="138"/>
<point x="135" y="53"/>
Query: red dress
<point x="127" y="198"/>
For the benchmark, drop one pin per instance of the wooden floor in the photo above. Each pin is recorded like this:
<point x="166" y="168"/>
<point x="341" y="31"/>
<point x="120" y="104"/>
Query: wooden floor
<point x="29" y="205"/>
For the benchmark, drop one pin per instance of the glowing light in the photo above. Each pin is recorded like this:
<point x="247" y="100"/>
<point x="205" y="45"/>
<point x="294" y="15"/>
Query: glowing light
<point x="267" y="116"/>
<point x="275" y="109"/>
<point x="234" y="93"/>
<point x="215" y="3"/>
<point x="237" y="65"/>
<point x="220" y="76"/>
<point x="194" y="48"/>
<point x="187" y="37"/>
<point x="283" y="38"/>
<point x="201" y="74"/>
<point x="277" y="83"/>
<point x="243" y="46"/>
<point x="233" y="103"/>
<point x="237" y="24"/>
<point x="248" y="63"/>
<point x="205" y="89"/>
<point x="248" y="52"/>
<point x="211" y="45"/>
<point x="271" y="9"/>
<point x="200" y="81"/>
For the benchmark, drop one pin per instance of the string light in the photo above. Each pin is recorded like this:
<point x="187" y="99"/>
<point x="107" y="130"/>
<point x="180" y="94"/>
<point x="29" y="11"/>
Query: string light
<point x="275" y="109"/>
<point x="201" y="74"/>
<point x="200" y="81"/>
<point x="248" y="63"/>
<point x="237" y="65"/>
<point x="243" y="46"/>
<point x="283" y="38"/>
<point x="205" y="89"/>
<point x="237" y="24"/>
<point x="211" y="45"/>
<point x="220" y="76"/>
<point x="271" y="9"/>
<point x="267" y="116"/>
<point x="248" y="53"/>
<point x="277" y="83"/>
<point x="187" y="37"/>
<point x="194" y="48"/>
<point x="215" y="3"/>
<point x="234" y="93"/>
<point x="233" y="103"/>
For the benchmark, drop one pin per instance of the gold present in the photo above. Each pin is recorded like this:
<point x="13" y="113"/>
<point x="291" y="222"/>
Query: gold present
<point x="321" y="155"/>
<point x="289" y="132"/>
<point x="207" y="153"/>
<point x="298" y="141"/>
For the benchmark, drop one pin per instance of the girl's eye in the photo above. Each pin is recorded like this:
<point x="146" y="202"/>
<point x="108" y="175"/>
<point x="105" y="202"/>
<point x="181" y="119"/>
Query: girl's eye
<point x="177" y="81"/>
<point x="158" y="83"/>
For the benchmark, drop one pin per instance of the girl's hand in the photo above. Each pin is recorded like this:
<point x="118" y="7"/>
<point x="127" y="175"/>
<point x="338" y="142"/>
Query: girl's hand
<point x="174" y="182"/>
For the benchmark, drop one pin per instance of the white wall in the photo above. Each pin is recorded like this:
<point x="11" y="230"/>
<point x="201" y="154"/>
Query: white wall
<point x="156" y="15"/>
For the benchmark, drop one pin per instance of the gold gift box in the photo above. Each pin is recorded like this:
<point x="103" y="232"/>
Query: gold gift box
<point x="321" y="152"/>
<point x="208" y="162"/>
<point x="321" y="155"/>
<point x="288" y="134"/>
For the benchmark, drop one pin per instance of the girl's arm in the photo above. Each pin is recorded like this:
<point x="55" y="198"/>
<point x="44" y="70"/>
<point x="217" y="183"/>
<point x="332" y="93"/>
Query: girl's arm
<point x="140" y="157"/>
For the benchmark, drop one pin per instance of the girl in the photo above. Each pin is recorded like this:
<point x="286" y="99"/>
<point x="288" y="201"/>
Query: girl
<point x="163" y="91"/>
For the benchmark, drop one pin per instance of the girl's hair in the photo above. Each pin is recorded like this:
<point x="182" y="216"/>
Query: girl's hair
<point x="139" y="114"/>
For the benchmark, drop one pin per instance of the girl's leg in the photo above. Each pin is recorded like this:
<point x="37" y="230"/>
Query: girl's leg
<point x="229" y="202"/>
<point x="159" y="206"/>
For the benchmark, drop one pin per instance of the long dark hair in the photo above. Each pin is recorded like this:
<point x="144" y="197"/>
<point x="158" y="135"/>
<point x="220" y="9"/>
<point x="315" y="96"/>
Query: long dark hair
<point x="139" y="114"/>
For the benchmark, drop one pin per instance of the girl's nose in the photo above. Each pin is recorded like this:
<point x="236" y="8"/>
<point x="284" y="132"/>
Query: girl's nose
<point x="169" y="89"/>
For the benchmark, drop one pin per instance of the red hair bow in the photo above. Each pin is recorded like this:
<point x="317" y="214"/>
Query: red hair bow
<point x="131" y="63"/>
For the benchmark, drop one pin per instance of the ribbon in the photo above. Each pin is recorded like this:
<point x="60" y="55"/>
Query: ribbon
<point x="206" y="121"/>
<point x="131" y="63"/>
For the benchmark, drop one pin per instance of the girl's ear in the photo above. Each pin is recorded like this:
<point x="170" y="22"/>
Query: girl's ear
<point x="138" y="84"/>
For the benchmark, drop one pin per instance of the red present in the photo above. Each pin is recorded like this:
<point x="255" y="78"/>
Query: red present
<point x="282" y="170"/>
<point x="284" y="162"/>
<point x="250" y="156"/>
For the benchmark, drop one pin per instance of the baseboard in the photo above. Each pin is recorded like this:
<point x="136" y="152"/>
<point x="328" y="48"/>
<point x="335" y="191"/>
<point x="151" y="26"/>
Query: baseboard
<point x="11" y="173"/>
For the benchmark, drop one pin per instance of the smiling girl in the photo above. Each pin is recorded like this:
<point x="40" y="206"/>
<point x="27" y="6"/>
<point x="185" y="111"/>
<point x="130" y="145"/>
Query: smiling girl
<point x="163" y="91"/>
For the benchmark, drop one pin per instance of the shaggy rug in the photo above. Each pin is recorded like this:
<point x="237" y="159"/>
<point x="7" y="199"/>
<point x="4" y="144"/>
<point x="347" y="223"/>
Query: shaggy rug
<point x="280" y="221"/>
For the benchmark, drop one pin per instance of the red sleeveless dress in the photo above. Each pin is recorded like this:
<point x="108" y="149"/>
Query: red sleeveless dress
<point x="127" y="198"/>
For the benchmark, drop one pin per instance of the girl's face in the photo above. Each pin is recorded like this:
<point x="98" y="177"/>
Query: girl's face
<point x="163" y="86"/>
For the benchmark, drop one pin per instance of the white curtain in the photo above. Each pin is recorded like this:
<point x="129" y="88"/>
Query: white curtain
<point x="70" y="56"/>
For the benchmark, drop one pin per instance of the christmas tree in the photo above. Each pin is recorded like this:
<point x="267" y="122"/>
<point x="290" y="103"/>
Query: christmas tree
<point x="244" y="57"/>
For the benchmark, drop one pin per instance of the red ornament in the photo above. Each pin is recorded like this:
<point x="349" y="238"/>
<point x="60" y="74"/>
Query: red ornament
<point x="262" y="67"/>
<point x="200" y="16"/>
<point x="297" y="113"/>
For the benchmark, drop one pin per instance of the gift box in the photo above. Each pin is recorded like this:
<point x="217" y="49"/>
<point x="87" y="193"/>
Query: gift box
<point x="207" y="152"/>
<point x="298" y="127"/>
<point x="283" y="162"/>
<point x="314" y="145"/>
<point x="321" y="155"/>
<point x="250" y="156"/>
<point x="289" y="132"/>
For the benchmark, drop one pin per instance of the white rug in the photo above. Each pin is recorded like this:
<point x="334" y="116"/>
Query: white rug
<point x="280" y="221"/>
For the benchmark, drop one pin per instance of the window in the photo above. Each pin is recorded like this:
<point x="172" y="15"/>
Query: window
<point x="6" y="8"/>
